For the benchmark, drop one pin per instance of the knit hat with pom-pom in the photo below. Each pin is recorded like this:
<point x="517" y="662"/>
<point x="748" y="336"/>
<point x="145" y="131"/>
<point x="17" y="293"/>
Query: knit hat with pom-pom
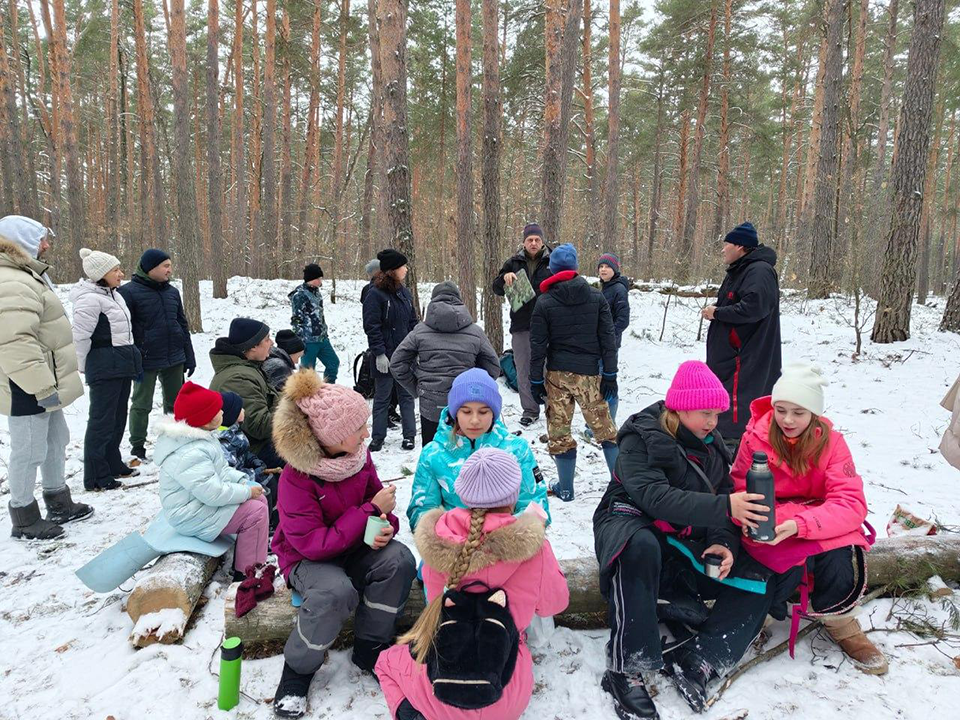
<point x="334" y="412"/>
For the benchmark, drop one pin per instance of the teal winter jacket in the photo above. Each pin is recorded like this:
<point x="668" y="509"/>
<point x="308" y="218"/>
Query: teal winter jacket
<point x="441" y="460"/>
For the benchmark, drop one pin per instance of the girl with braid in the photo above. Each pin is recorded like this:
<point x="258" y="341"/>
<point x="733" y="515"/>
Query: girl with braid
<point x="484" y="542"/>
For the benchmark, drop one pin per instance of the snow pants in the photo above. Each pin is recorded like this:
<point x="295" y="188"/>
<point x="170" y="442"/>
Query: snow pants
<point x="105" y="425"/>
<point x="36" y="441"/>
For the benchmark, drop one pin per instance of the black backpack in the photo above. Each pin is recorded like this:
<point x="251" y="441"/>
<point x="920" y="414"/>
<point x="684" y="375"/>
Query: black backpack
<point x="475" y="649"/>
<point x="363" y="374"/>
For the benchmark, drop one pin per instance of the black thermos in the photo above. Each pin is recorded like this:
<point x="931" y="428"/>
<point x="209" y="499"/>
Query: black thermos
<point x="760" y="481"/>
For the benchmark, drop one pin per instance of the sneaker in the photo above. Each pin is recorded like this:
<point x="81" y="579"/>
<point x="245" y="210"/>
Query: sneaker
<point x="290" y="700"/>
<point x="138" y="451"/>
<point x="375" y="446"/>
<point x="408" y="444"/>
<point x="631" y="701"/>
<point x="527" y="421"/>
<point x="691" y="675"/>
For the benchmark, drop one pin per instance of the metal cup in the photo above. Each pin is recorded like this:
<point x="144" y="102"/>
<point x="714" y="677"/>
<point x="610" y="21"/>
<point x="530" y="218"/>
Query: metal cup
<point x="711" y="564"/>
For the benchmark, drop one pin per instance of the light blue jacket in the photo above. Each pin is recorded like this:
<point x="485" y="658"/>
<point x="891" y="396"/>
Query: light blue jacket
<point x="440" y="464"/>
<point x="199" y="491"/>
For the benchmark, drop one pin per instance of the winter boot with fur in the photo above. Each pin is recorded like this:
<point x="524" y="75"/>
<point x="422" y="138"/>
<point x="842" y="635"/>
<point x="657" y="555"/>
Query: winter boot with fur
<point x="28" y="525"/>
<point x="848" y="634"/>
<point x="61" y="508"/>
<point x="631" y="701"/>
<point x="290" y="700"/>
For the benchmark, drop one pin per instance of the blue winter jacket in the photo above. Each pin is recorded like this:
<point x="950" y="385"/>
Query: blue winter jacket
<point x="441" y="460"/>
<point x="236" y="451"/>
<point x="307" y="319"/>
<point x="199" y="491"/>
<point x="617" y="294"/>
<point x="160" y="328"/>
<point x="388" y="315"/>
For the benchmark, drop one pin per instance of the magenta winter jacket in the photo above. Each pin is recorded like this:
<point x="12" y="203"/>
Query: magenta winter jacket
<point x="827" y="502"/>
<point x="320" y="520"/>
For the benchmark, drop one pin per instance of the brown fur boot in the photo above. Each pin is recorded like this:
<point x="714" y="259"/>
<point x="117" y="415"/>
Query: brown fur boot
<point x="846" y="632"/>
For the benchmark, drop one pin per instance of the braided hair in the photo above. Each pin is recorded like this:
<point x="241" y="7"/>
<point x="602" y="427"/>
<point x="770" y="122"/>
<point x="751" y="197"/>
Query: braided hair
<point x="421" y="636"/>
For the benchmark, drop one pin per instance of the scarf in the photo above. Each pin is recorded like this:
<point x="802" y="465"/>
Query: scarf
<point x="340" y="468"/>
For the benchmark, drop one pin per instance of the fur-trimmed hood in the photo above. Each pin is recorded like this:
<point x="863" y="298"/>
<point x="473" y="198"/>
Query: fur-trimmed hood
<point x="440" y="536"/>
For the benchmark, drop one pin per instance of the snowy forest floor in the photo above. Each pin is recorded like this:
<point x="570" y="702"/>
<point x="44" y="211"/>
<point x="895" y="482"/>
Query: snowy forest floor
<point x="65" y="651"/>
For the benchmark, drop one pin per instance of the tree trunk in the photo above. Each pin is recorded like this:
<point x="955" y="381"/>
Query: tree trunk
<point x="823" y="247"/>
<point x="569" y="46"/>
<point x="257" y="248"/>
<point x="611" y="193"/>
<point x="214" y="193"/>
<point x="490" y="170"/>
<point x="286" y="203"/>
<point x="780" y="224"/>
<point x="392" y="15"/>
<point x="926" y="213"/>
<point x="913" y="142"/>
<point x="941" y="261"/>
<point x="268" y="231"/>
<point x="552" y="179"/>
<point x="681" y="186"/>
<point x="310" y="151"/>
<point x="590" y="139"/>
<point x="657" y="181"/>
<point x="190" y="243"/>
<point x="15" y="181"/>
<point x="369" y="239"/>
<point x="689" y="224"/>
<point x="805" y="211"/>
<point x="113" y="124"/>
<point x="466" y="232"/>
<point x="336" y="181"/>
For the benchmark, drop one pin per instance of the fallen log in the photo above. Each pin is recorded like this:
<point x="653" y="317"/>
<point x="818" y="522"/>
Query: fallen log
<point x="164" y="597"/>
<point x="898" y="562"/>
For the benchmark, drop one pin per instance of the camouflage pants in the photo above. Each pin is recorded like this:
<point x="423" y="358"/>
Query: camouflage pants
<point x="563" y="390"/>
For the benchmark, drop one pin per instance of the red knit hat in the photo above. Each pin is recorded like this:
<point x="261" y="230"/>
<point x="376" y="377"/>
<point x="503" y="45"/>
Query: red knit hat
<point x="695" y="387"/>
<point x="196" y="405"/>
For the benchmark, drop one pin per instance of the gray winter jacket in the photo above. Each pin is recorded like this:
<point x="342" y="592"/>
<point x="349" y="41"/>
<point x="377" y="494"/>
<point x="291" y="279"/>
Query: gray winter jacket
<point x="444" y="345"/>
<point x="103" y="333"/>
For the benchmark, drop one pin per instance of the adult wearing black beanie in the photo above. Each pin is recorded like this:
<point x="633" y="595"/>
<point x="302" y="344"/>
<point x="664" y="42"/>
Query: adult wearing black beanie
<point x="310" y="324"/>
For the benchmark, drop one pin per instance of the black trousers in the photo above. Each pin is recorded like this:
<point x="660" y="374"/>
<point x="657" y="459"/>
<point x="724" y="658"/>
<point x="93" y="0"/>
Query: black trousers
<point x="428" y="428"/>
<point x="105" y="426"/>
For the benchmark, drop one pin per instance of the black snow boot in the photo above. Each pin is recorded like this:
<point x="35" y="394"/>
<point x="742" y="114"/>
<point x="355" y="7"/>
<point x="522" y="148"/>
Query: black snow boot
<point x="406" y="711"/>
<point x="28" y="525"/>
<point x="631" y="701"/>
<point x="290" y="700"/>
<point x="691" y="675"/>
<point x="61" y="508"/>
<point x="366" y="652"/>
<point x="138" y="451"/>
<point x="127" y="472"/>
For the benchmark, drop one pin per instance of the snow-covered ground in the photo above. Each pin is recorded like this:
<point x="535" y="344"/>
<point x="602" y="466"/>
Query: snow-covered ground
<point x="64" y="651"/>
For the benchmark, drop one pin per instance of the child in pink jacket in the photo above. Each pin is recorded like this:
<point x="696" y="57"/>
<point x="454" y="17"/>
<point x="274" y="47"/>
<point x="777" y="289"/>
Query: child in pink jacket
<point x="820" y="510"/>
<point x="483" y="542"/>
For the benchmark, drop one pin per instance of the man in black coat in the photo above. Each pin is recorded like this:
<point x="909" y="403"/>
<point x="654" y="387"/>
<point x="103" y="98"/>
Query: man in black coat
<point x="161" y="333"/>
<point x="572" y="330"/>
<point x="533" y="259"/>
<point x="743" y="342"/>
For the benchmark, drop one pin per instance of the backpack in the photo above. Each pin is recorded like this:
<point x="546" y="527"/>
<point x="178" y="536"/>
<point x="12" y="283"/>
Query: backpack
<point x="363" y="374"/>
<point x="475" y="649"/>
<point x="509" y="369"/>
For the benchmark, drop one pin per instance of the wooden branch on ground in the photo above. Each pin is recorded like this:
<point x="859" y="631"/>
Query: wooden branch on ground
<point x="896" y="562"/>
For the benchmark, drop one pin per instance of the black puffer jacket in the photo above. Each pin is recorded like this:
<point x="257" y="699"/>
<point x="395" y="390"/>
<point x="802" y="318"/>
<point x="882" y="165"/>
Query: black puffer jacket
<point x="571" y="328"/>
<point x="617" y="294"/>
<point x="743" y="342"/>
<point x="537" y="270"/>
<point x="388" y="315"/>
<point x="655" y="479"/>
<point x="160" y="328"/>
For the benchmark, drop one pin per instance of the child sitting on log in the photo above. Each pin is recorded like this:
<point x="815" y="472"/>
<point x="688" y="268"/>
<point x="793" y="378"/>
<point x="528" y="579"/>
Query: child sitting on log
<point x="201" y="494"/>
<point x="454" y="664"/>
<point x="328" y="492"/>
<point x="820" y="513"/>
<point x="236" y="446"/>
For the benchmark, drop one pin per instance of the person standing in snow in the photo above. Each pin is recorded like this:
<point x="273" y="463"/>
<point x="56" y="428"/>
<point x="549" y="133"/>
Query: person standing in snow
<point x="447" y="343"/>
<point x="38" y="378"/>
<point x="109" y="361"/>
<point x="282" y="361"/>
<point x="572" y="331"/>
<point x="533" y="259"/>
<point x="743" y="342"/>
<point x="616" y="291"/>
<point x="820" y="511"/>
<point x="388" y="316"/>
<point x="511" y="557"/>
<point x="310" y="325"/>
<point x="162" y="335"/>
<point x="329" y="489"/>
<point x="670" y="505"/>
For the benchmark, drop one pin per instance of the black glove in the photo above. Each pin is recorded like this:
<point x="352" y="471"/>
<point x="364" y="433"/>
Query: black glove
<point x="191" y="370"/>
<point x="539" y="391"/>
<point x="608" y="385"/>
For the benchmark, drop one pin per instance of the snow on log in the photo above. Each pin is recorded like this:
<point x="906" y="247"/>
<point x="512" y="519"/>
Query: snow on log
<point x="905" y="561"/>
<point x="164" y="598"/>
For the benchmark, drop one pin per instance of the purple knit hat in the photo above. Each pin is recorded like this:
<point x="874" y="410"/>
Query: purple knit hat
<point x="490" y="478"/>
<point x="695" y="387"/>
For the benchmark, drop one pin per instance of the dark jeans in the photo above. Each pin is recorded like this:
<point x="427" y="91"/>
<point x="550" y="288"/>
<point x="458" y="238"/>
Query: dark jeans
<point x="428" y="428"/>
<point x="384" y="384"/>
<point x="171" y="380"/>
<point x="105" y="425"/>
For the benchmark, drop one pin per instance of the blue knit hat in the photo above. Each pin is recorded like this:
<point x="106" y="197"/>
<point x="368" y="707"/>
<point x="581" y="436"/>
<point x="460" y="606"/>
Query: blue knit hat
<point x="151" y="258"/>
<point x="563" y="257"/>
<point x="745" y="235"/>
<point x="232" y="405"/>
<point x="474" y="385"/>
<point x="246" y="333"/>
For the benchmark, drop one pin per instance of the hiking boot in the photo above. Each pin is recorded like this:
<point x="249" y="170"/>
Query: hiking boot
<point x="290" y="700"/>
<point x="28" y="525"/>
<point x="408" y="444"/>
<point x="631" y="701"/>
<point x="105" y="483"/>
<point x="691" y="675"/>
<point x="527" y="421"/>
<point x="375" y="446"/>
<point x="366" y="652"/>
<point x="848" y="634"/>
<point x="61" y="508"/>
<point x="138" y="451"/>
<point x="127" y="472"/>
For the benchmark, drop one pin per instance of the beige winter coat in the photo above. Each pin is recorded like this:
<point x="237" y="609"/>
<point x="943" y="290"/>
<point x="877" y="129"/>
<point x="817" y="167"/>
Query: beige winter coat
<point x="950" y="445"/>
<point x="36" y="341"/>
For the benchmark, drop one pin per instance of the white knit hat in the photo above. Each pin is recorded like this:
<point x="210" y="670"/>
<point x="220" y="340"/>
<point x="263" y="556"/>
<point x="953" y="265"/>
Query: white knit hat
<point x="802" y="385"/>
<point x="96" y="264"/>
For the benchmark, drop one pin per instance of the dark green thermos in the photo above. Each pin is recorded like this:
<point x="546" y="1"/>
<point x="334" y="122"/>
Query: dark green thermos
<point x="230" y="655"/>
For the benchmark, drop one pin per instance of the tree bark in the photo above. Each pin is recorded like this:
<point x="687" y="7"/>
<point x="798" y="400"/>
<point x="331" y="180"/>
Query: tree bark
<point x="590" y="137"/>
<point x="286" y="204"/>
<point x="256" y="245"/>
<point x="369" y="238"/>
<point x="805" y="211"/>
<point x="151" y="185"/>
<point x="310" y="151"/>
<point x="611" y="190"/>
<point x="238" y="215"/>
<point x="657" y="180"/>
<point x="721" y="212"/>
<point x="113" y="125"/>
<point x="552" y="179"/>
<point x="269" y="226"/>
<point x="892" y="321"/>
<point x="490" y="170"/>
<point x="336" y="180"/>
<point x="681" y="185"/>
<point x="214" y="192"/>
<point x="926" y="213"/>
<point x="16" y="185"/>
<point x="466" y="231"/>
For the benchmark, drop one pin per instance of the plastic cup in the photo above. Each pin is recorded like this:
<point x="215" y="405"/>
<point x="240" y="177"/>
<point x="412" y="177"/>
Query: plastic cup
<point x="374" y="526"/>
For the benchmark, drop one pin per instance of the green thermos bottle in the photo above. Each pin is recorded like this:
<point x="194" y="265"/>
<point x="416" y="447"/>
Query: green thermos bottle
<point x="230" y="657"/>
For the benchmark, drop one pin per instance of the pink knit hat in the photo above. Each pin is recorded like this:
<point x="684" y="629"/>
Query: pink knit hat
<point x="695" y="387"/>
<point x="334" y="413"/>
